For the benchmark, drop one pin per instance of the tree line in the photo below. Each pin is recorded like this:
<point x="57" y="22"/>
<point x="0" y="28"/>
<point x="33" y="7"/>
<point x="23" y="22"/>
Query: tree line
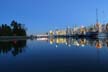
<point x="14" y="29"/>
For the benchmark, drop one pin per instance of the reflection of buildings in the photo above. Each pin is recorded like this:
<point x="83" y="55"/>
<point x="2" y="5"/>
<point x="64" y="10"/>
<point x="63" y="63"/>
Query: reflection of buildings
<point x="98" y="44"/>
<point x="15" y="46"/>
<point x="51" y="40"/>
<point x="43" y="39"/>
<point x="80" y="42"/>
<point x="60" y="40"/>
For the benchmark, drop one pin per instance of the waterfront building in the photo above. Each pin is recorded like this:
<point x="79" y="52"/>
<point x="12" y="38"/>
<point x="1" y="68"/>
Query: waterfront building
<point x="60" y="32"/>
<point x="75" y="30"/>
<point x="51" y="33"/>
<point x="103" y="28"/>
<point x="107" y="27"/>
<point x="82" y="30"/>
<point x="68" y="31"/>
<point x="95" y="29"/>
<point x="72" y="31"/>
<point x="98" y="27"/>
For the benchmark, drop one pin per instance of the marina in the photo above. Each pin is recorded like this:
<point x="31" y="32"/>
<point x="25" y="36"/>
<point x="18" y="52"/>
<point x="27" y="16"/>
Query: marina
<point x="53" y="36"/>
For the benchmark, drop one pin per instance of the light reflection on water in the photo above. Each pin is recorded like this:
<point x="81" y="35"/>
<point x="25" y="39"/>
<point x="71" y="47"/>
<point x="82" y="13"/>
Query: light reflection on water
<point x="79" y="42"/>
<point x="54" y="55"/>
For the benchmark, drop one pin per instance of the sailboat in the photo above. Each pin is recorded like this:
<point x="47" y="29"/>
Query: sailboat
<point x="94" y="34"/>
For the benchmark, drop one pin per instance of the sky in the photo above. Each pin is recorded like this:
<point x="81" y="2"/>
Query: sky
<point x="40" y="16"/>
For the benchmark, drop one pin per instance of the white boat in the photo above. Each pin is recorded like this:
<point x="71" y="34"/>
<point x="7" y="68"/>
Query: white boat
<point x="102" y="35"/>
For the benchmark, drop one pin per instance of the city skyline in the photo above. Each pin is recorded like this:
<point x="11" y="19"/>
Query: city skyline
<point x="43" y="15"/>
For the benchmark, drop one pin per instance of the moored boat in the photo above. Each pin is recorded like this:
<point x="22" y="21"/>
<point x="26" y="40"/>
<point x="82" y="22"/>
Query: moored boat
<point x="92" y="34"/>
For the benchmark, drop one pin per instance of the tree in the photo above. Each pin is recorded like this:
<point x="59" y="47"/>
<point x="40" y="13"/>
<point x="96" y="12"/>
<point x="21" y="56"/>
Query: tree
<point x="18" y="29"/>
<point x="15" y="29"/>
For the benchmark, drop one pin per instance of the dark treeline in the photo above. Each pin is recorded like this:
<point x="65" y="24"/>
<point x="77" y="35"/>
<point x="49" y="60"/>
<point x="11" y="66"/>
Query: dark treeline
<point x="14" y="29"/>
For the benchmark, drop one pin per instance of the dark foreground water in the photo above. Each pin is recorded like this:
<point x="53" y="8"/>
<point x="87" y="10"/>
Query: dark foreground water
<point x="54" y="55"/>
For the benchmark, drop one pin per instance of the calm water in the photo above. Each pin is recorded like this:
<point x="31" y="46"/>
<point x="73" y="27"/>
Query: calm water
<point x="54" y="55"/>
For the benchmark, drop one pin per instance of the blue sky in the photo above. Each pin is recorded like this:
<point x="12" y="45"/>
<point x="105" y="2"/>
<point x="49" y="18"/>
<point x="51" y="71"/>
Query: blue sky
<point x="43" y="15"/>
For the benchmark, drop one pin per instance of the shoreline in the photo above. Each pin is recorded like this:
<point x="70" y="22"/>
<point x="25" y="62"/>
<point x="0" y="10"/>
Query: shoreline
<point x="14" y="37"/>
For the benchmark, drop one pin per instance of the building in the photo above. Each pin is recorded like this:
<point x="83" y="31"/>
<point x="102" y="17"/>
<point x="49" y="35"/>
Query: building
<point x="98" y="27"/>
<point x="107" y="27"/>
<point x="51" y="33"/>
<point x="60" y="32"/>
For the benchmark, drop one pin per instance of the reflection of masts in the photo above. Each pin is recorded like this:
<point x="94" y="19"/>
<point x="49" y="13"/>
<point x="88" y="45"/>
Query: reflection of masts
<point x="98" y="55"/>
<point x="56" y="45"/>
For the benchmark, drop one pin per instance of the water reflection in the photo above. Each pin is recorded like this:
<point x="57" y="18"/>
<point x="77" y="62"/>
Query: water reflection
<point x="42" y="56"/>
<point x="81" y="42"/>
<point x="14" y="46"/>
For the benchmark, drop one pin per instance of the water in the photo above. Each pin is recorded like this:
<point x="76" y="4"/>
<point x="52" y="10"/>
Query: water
<point x="54" y="55"/>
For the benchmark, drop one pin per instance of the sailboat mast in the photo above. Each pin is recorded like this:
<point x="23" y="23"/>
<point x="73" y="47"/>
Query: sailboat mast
<point x="96" y="16"/>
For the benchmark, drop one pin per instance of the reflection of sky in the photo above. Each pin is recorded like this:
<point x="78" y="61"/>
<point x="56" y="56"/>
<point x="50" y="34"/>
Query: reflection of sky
<point x="40" y="56"/>
<point x="59" y="58"/>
